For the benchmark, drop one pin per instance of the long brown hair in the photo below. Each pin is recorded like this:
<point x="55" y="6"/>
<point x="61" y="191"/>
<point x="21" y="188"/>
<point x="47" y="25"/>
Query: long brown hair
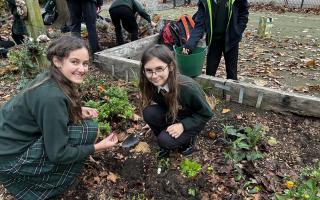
<point x="147" y="89"/>
<point x="61" y="49"/>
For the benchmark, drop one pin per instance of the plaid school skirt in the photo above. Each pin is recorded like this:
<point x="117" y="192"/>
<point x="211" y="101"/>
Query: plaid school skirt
<point x="32" y="176"/>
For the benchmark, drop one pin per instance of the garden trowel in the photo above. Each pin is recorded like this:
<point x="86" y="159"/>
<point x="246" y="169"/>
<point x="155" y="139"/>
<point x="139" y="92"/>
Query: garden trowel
<point x="130" y="141"/>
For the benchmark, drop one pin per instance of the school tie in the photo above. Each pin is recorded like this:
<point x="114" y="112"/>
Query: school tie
<point x="163" y="91"/>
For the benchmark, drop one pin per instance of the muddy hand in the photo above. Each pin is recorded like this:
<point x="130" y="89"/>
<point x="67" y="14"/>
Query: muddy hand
<point x="106" y="143"/>
<point x="153" y="24"/>
<point x="185" y="51"/>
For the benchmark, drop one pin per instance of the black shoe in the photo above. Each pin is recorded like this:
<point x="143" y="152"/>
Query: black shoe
<point x="187" y="151"/>
<point x="163" y="153"/>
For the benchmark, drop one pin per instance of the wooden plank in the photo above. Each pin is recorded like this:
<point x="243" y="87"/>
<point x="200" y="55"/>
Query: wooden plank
<point x="211" y="85"/>
<point x="275" y="100"/>
<point x="131" y="49"/>
<point x="118" y="67"/>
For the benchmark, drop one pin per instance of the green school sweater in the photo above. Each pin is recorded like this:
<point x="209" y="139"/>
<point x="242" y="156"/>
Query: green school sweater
<point x="194" y="109"/>
<point x="40" y="111"/>
<point x="134" y="5"/>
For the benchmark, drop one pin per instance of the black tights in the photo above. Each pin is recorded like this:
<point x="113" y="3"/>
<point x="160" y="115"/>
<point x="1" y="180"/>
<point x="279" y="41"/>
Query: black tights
<point x="155" y="117"/>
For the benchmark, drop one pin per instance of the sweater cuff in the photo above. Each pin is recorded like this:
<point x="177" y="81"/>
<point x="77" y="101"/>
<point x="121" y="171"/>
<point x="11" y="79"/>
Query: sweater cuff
<point x="187" y="123"/>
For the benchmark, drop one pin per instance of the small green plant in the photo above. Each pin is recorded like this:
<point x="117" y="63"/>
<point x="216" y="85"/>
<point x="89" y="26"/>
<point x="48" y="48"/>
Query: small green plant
<point x="26" y="58"/>
<point x="210" y="169"/>
<point x="139" y="197"/>
<point x="243" y="142"/>
<point x="164" y="163"/>
<point x="113" y="103"/>
<point x="306" y="187"/>
<point x="192" y="191"/>
<point x="104" y="128"/>
<point x="190" y="168"/>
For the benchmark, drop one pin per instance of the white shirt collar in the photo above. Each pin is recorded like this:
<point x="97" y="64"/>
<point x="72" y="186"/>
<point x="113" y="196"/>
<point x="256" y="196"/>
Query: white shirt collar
<point x="165" y="87"/>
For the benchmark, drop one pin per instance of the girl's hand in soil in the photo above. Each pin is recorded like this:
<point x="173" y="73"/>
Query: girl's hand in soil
<point x="89" y="113"/>
<point x="107" y="142"/>
<point x="175" y="130"/>
<point x="153" y="24"/>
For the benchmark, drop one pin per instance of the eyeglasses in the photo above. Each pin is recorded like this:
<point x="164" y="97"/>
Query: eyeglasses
<point x="158" y="70"/>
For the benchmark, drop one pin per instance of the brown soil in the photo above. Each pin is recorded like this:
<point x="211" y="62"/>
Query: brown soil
<point x="298" y="146"/>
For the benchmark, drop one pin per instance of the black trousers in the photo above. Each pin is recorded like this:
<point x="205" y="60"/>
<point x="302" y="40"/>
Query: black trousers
<point x="216" y="49"/>
<point x="18" y="39"/>
<point x="155" y="117"/>
<point x="125" y="16"/>
<point x="87" y="11"/>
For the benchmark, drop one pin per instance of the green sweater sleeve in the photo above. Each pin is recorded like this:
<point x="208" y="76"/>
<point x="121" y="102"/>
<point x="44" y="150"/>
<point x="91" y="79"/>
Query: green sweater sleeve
<point x="50" y="108"/>
<point x="140" y="9"/>
<point x="194" y="99"/>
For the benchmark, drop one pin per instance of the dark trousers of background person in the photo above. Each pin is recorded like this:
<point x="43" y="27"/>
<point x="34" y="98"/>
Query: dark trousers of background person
<point x="155" y="117"/>
<point x="18" y="39"/>
<point x="125" y="16"/>
<point x="87" y="11"/>
<point x="216" y="49"/>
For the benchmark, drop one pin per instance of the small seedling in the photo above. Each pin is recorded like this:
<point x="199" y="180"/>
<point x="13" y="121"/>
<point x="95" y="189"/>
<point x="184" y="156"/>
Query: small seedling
<point x="210" y="169"/>
<point x="190" y="168"/>
<point x="192" y="191"/>
<point x="139" y="197"/>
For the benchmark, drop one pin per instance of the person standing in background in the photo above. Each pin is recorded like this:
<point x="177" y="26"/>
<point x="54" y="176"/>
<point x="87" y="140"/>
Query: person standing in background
<point x="85" y="10"/>
<point x="18" y="29"/>
<point x="123" y="12"/>
<point x="224" y="21"/>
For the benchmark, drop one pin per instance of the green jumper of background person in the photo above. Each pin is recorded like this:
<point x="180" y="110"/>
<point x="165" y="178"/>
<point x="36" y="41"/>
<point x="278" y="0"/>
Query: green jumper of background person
<point x="224" y="21"/>
<point x="174" y="106"/>
<point x="45" y="134"/>
<point x="123" y="12"/>
<point x="18" y="29"/>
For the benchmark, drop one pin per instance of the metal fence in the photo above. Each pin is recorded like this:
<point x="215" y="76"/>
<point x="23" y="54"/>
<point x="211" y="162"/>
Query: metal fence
<point x="291" y="3"/>
<point x="288" y="3"/>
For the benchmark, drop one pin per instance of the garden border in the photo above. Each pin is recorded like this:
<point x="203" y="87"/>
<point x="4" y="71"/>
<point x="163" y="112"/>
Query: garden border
<point x="119" y="63"/>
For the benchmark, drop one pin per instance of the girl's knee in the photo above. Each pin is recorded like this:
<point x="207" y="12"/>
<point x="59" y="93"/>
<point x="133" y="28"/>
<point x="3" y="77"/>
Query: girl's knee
<point x="153" y="113"/>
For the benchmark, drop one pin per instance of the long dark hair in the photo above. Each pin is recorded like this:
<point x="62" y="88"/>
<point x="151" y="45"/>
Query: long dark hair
<point x="61" y="49"/>
<point x="147" y="89"/>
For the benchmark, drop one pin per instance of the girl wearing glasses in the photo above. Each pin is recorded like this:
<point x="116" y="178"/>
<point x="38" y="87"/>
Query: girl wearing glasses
<point x="45" y="134"/>
<point x="174" y="106"/>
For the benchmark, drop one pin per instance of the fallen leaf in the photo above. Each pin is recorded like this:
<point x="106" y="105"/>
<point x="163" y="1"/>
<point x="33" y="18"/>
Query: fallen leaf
<point x="96" y="179"/>
<point x="212" y="135"/>
<point x="103" y="174"/>
<point x="272" y="141"/>
<point x="311" y="63"/>
<point x="112" y="177"/>
<point x="142" y="147"/>
<point x="8" y="69"/>
<point x="225" y="110"/>
<point x="238" y="116"/>
<point x="211" y="101"/>
<point x="130" y="130"/>
<point x="136" y="117"/>
<point x="101" y="88"/>
<point x="121" y="136"/>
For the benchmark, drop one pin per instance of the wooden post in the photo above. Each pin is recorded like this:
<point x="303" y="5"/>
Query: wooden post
<point x="34" y="22"/>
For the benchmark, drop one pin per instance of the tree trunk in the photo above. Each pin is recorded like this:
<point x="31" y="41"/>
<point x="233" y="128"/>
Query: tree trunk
<point x="35" y="26"/>
<point x="34" y="22"/>
<point x="63" y="14"/>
